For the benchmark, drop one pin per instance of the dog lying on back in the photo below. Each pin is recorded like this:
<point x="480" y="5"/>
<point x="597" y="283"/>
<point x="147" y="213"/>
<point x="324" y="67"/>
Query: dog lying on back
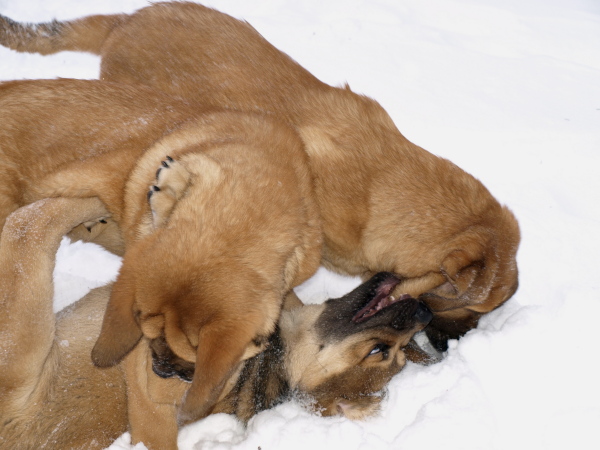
<point x="217" y="227"/>
<point x="386" y="204"/>
<point x="340" y="354"/>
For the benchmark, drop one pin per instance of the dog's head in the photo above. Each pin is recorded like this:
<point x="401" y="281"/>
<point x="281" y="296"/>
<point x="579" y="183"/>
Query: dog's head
<point x="461" y="264"/>
<point x="478" y="274"/>
<point x="202" y="315"/>
<point x="344" y="352"/>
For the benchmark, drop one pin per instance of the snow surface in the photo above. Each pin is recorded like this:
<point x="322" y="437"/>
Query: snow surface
<point x="510" y="91"/>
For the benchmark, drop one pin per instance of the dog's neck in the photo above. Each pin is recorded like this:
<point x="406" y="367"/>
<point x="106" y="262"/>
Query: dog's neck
<point x="261" y="384"/>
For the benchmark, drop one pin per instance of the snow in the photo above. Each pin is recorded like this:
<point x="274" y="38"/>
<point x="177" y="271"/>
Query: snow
<point x="510" y="91"/>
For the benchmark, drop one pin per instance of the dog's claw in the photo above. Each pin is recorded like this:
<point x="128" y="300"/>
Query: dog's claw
<point x="152" y="190"/>
<point x="164" y="164"/>
<point x="91" y="224"/>
<point x="172" y="184"/>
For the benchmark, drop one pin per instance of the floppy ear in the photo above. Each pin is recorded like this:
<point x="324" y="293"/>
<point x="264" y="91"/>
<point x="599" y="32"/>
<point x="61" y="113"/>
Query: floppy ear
<point x="120" y="332"/>
<point x="221" y="346"/>
<point x="466" y="250"/>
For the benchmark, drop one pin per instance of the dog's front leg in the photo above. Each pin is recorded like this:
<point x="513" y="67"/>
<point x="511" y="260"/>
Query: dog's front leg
<point x="150" y="422"/>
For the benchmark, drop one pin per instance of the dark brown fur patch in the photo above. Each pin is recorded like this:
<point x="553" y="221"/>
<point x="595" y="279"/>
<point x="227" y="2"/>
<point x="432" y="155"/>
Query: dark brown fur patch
<point x="336" y="321"/>
<point x="13" y="34"/>
<point x="357" y="385"/>
<point x="261" y="384"/>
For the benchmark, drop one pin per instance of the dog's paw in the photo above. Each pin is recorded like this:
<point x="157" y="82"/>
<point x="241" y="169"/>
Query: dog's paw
<point x="94" y="223"/>
<point x="103" y="231"/>
<point x="359" y="408"/>
<point x="172" y="181"/>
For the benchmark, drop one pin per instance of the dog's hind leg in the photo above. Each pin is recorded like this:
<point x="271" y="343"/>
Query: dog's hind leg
<point x="28" y="245"/>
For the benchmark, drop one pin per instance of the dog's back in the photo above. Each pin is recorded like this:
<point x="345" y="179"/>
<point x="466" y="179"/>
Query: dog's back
<point x="366" y="172"/>
<point x="49" y="126"/>
<point x="196" y="35"/>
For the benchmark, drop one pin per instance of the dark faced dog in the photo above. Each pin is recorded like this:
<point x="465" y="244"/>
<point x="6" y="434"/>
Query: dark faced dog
<point x="339" y="354"/>
<point x="387" y="204"/>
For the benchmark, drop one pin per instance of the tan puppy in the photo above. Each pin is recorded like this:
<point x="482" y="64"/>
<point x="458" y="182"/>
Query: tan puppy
<point x="387" y="204"/>
<point x="226" y="230"/>
<point x="52" y="396"/>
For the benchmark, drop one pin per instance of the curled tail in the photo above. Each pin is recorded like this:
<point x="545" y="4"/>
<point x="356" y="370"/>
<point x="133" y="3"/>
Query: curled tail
<point x="87" y="34"/>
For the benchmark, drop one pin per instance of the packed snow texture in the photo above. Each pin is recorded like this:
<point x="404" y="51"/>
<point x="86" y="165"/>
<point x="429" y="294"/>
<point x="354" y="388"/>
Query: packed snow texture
<point x="508" y="90"/>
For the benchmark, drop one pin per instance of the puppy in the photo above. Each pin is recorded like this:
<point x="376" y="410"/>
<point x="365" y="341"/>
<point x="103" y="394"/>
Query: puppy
<point x="386" y="204"/>
<point x="340" y="354"/>
<point x="217" y="226"/>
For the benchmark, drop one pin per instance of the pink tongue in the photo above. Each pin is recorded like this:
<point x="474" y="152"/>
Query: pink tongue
<point x="381" y="301"/>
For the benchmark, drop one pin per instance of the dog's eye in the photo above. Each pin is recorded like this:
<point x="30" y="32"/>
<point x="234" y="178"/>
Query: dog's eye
<point x="380" y="348"/>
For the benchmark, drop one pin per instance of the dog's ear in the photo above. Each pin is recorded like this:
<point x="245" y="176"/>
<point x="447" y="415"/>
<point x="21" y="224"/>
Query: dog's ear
<point x="120" y="332"/>
<point x="457" y="271"/>
<point x="221" y="346"/>
<point x="467" y="249"/>
<point x="462" y="268"/>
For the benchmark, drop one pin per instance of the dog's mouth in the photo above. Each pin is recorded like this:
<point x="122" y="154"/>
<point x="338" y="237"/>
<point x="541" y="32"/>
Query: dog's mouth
<point x="382" y="299"/>
<point x="167" y="364"/>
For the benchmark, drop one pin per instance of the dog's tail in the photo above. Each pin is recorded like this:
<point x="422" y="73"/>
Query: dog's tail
<point x="87" y="34"/>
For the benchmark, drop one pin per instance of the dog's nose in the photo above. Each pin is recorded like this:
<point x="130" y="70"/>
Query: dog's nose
<point x="423" y="314"/>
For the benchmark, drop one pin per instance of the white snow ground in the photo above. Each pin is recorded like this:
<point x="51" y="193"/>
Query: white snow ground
<point x="510" y="91"/>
